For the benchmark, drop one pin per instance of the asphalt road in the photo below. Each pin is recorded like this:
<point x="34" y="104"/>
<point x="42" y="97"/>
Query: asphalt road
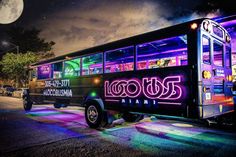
<point x="46" y="131"/>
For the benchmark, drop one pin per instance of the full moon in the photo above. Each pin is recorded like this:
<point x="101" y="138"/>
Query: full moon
<point x="10" y="10"/>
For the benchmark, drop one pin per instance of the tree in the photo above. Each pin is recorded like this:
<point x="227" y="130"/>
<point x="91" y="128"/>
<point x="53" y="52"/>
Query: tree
<point x="14" y="66"/>
<point x="28" y="40"/>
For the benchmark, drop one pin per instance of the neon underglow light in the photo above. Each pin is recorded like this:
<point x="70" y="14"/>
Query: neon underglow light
<point x="150" y="87"/>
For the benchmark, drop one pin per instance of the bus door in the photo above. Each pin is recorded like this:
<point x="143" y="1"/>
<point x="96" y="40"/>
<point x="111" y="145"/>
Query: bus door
<point x="215" y="77"/>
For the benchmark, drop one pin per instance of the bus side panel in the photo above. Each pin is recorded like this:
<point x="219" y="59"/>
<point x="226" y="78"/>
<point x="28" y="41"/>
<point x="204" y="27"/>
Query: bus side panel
<point x="156" y="91"/>
<point x="73" y="91"/>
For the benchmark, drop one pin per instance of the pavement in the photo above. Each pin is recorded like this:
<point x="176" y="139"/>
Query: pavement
<point x="45" y="131"/>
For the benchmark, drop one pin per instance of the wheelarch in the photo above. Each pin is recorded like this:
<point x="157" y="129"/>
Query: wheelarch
<point x="90" y="99"/>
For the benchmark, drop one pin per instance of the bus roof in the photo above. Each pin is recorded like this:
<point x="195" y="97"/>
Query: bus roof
<point x="141" y="38"/>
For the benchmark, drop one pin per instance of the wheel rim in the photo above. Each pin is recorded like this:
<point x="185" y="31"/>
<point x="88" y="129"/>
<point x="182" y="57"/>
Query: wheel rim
<point x="92" y="114"/>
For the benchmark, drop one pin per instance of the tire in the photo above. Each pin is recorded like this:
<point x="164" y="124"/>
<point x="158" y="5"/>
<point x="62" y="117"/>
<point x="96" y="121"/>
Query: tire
<point x="95" y="116"/>
<point x="27" y="104"/>
<point x="129" y="117"/>
<point x="57" y="105"/>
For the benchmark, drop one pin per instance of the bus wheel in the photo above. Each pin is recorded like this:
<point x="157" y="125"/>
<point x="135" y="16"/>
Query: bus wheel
<point x="129" y="117"/>
<point x="57" y="105"/>
<point x="95" y="116"/>
<point x="27" y="104"/>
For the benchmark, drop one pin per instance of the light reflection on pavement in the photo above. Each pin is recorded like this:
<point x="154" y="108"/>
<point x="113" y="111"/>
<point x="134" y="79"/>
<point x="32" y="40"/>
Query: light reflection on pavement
<point x="167" y="130"/>
<point x="156" y="137"/>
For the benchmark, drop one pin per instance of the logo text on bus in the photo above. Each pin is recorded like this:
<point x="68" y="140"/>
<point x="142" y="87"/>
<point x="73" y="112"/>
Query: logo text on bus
<point x="151" y="87"/>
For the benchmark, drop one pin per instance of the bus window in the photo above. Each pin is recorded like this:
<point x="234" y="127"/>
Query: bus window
<point x="227" y="57"/>
<point x="206" y="49"/>
<point x="72" y="68"/>
<point x="218" y="54"/>
<point x="32" y="74"/>
<point x="44" y="71"/>
<point x="119" y="60"/>
<point x="92" y="64"/>
<point x="57" y="70"/>
<point x="163" y="53"/>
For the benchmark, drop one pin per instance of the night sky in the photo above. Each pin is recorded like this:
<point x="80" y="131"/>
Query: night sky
<point x="79" y="24"/>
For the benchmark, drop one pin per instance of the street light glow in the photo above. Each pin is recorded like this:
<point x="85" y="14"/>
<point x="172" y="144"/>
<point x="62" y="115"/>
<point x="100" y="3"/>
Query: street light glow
<point x="5" y="43"/>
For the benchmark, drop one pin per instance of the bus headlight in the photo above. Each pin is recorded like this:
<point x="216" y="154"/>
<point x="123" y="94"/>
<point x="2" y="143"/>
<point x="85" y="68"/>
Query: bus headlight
<point x="206" y="74"/>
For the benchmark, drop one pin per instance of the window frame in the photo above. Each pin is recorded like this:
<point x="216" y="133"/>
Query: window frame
<point x="210" y="56"/>
<point x="112" y="50"/>
<point x="213" y="52"/>
<point x="230" y="57"/>
<point x="87" y="55"/>
<point x="52" y="72"/>
<point x="80" y="73"/>
<point x="50" y="75"/>
<point x="178" y="35"/>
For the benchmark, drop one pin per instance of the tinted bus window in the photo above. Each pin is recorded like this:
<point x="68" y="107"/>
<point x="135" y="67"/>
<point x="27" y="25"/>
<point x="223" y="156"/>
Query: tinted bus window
<point x="57" y="70"/>
<point x="163" y="53"/>
<point x="205" y="49"/>
<point x="44" y="71"/>
<point x="218" y="54"/>
<point x="92" y="64"/>
<point x="72" y="68"/>
<point x="218" y="31"/>
<point x="227" y="57"/>
<point x="119" y="60"/>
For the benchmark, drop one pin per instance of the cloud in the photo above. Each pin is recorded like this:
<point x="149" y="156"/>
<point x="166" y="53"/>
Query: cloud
<point x="91" y="24"/>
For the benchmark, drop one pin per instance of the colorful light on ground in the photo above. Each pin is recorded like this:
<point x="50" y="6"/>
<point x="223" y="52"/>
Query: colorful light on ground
<point x="184" y="125"/>
<point x="146" y="136"/>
